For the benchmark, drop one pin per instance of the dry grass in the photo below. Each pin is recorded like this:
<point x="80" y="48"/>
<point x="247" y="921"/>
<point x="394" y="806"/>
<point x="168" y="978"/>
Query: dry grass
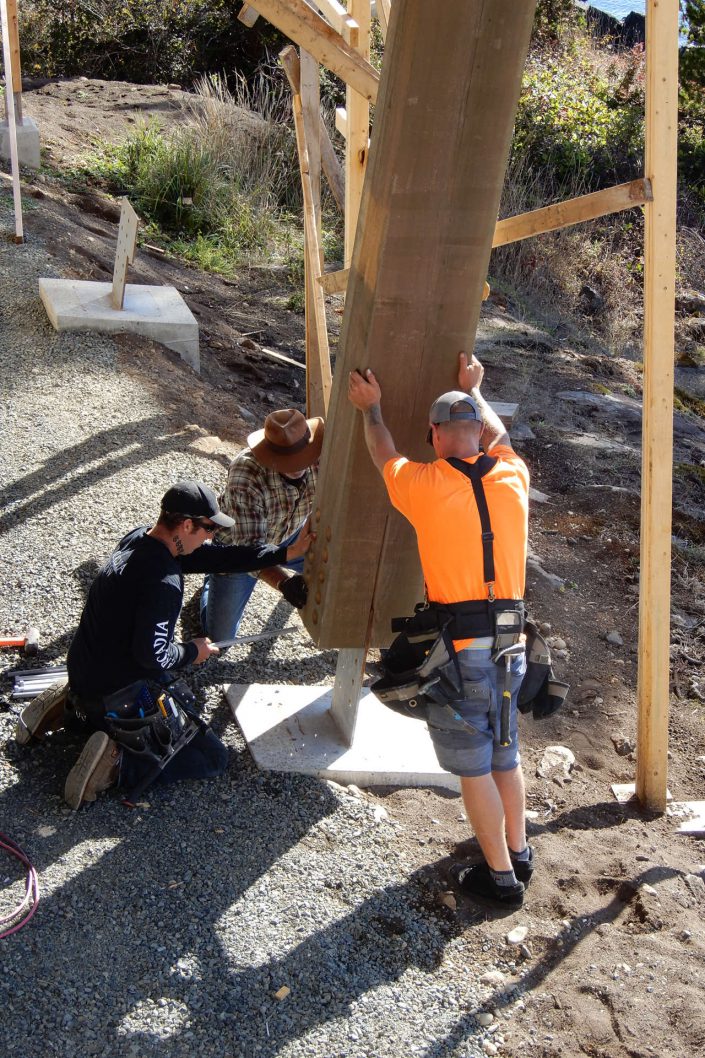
<point x="551" y="271"/>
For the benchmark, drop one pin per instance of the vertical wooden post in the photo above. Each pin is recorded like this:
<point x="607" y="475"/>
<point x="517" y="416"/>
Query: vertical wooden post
<point x="318" y="373"/>
<point x="14" y="35"/>
<point x="11" y="126"/>
<point x="657" y="433"/>
<point x="311" y="109"/>
<point x="358" y="131"/>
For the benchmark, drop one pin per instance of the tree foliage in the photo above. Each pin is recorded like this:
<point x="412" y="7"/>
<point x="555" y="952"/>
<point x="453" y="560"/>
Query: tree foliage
<point x="145" y="41"/>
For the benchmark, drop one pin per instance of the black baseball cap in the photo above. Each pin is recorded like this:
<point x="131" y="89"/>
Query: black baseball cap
<point x="453" y="406"/>
<point x="193" y="499"/>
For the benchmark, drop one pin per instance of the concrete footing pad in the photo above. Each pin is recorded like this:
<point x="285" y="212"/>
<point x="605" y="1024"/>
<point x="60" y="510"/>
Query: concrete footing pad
<point x="28" y="152"/>
<point x="290" y="729"/>
<point x="159" y="313"/>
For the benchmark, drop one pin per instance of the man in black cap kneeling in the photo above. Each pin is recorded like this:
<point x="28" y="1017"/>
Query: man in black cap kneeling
<point x="126" y="636"/>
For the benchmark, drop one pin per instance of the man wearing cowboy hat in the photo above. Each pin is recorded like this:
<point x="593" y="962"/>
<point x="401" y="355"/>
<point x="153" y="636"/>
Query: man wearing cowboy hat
<point x="269" y="495"/>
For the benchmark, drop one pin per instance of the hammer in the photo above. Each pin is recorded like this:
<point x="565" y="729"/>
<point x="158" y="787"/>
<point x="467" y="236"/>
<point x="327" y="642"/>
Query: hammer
<point x="30" y="642"/>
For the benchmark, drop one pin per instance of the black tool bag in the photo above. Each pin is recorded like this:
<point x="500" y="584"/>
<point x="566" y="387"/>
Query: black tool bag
<point x="540" y="693"/>
<point x="421" y="666"/>
<point x="151" y="722"/>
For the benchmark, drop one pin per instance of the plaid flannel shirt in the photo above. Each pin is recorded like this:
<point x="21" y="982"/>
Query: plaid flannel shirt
<point x="266" y="507"/>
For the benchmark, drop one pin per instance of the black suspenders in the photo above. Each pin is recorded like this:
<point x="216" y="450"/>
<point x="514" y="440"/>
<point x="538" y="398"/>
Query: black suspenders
<point x="476" y="472"/>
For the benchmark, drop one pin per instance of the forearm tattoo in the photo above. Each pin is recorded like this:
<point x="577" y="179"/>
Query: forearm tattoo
<point x="373" y="415"/>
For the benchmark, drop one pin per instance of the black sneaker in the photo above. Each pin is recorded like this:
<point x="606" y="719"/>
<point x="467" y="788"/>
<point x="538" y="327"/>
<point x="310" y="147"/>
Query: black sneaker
<point x="477" y="882"/>
<point x="523" y="869"/>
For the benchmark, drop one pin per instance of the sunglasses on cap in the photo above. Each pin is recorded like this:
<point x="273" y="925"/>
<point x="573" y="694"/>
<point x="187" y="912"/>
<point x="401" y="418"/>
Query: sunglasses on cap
<point x="203" y="523"/>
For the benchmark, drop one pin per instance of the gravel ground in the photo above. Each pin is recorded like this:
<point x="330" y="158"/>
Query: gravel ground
<point x="170" y="929"/>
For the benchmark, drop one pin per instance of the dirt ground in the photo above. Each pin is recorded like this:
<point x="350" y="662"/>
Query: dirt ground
<point x="614" y="954"/>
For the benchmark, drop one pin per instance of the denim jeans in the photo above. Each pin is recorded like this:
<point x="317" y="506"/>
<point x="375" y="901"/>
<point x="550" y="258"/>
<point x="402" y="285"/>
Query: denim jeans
<point x="469" y="743"/>
<point x="204" y="757"/>
<point x="225" y="596"/>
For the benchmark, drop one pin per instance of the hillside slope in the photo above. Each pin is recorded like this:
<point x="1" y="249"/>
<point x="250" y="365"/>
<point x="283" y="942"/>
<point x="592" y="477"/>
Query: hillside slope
<point x="270" y="880"/>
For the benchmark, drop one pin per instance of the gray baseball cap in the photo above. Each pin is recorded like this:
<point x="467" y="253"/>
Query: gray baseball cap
<point x="453" y="406"/>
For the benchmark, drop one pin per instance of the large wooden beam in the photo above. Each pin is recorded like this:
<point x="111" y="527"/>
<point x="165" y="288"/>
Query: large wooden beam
<point x="573" y="211"/>
<point x="296" y="20"/>
<point x="657" y="431"/>
<point x="443" y="126"/>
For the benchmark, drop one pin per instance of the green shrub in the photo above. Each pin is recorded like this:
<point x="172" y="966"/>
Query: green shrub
<point x="576" y="123"/>
<point x="148" y="41"/>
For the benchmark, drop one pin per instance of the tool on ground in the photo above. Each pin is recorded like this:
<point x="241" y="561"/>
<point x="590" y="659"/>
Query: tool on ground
<point x="271" y="634"/>
<point x="31" y="682"/>
<point x="29" y="642"/>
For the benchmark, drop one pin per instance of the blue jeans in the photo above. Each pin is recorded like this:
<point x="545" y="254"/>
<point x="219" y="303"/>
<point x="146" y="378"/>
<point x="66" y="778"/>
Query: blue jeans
<point x="469" y="744"/>
<point x="225" y="596"/>
<point x="204" y="757"/>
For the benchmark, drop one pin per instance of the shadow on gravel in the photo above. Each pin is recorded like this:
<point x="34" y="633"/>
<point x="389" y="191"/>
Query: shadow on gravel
<point x="74" y="469"/>
<point x="166" y="931"/>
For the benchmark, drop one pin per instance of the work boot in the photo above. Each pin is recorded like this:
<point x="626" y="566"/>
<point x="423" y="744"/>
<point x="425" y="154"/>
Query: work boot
<point x="97" y="769"/>
<point x="44" y="713"/>
<point x="523" y="869"/>
<point x="477" y="882"/>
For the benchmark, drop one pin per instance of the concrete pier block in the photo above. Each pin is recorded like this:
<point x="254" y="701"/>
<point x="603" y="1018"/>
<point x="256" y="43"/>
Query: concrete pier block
<point x="290" y="729"/>
<point x="159" y="313"/>
<point x="27" y="143"/>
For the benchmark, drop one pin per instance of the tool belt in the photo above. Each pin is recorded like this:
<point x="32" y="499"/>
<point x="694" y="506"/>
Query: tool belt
<point x="540" y="693"/>
<point x="151" y="722"/>
<point x="421" y="667"/>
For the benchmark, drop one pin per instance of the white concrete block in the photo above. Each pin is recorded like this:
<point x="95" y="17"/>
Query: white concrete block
<point x="27" y="143"/>
<point x="159" y="313"/>
<point x="290" y="729"/>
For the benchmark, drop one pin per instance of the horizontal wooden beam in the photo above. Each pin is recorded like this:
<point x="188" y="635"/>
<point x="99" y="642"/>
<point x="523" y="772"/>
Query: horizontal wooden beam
<point x="296" y="20"/>
<point x="573" y="211"/>
<point x="248" y="16"/>
<point x="335" y="282"/>
<point x="335" y="13"/>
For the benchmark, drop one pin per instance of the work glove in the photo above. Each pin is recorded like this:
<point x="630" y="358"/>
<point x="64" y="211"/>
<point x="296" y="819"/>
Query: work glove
<point x="295" y="590"/>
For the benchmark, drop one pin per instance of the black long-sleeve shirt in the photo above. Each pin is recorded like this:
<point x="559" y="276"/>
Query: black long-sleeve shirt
<point x="126" y="631"/>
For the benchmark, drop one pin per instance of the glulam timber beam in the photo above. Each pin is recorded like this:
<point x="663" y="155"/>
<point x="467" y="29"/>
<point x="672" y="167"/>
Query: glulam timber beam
<point x="450" y="81"/>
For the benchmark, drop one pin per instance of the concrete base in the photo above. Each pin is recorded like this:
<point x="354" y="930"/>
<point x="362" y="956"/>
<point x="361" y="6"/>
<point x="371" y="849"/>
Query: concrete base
<point x="692" y="813"/>
<point x="159" y="313"/>
<point x="290" y="729"/>
<point x="27" y="143"/>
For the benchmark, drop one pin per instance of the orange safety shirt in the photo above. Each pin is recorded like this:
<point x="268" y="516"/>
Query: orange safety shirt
<point x="440" y="504"/>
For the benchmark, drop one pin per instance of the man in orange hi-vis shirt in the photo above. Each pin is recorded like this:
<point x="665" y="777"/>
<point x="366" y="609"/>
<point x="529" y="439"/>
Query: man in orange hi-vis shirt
<point x="441" y="505"/>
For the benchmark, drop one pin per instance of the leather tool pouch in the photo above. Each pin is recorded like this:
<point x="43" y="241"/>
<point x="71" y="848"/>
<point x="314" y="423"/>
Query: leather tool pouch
<point x="150" y="722"/>
<point x="540" y="693"/>
<point x="420" y="667"/>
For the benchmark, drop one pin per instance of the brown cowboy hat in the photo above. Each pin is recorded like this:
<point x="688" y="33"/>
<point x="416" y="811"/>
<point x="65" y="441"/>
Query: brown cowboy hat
<point x="289" y="442"/>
